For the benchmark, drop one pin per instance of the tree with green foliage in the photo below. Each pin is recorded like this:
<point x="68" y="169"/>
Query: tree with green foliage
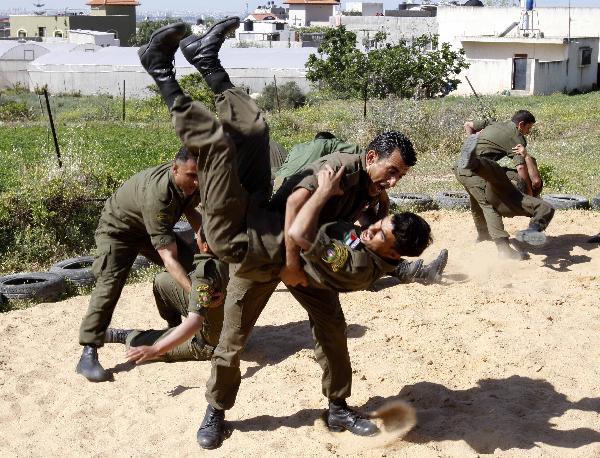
<point x="419" y="68"/>
<point x="146" y="28"/>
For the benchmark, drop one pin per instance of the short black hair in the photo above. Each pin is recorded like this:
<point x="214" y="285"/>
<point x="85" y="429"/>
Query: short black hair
<point x="324" y="135"/>
<point x="523" y="116"/>
<point x="412" y="233"/>
<point x="183" y="155"/>
<point x="386" y="143"/>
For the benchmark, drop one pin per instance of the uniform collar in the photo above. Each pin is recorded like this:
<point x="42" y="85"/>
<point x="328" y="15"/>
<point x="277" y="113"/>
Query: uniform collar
<point x="383" y="264"/>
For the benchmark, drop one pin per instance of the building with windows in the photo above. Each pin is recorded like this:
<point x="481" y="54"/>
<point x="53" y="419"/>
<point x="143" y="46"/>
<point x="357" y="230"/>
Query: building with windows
<point x="529" y="66"/>
<point x="266" y="30"/>
<point x="113" y="16"/>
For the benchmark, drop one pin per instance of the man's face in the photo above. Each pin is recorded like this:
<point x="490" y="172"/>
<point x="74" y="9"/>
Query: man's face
<point x="379" y="238"/>
<point x="525" y="128"/>
<point x="186" y="176"/>
<point x="386" y="172"/>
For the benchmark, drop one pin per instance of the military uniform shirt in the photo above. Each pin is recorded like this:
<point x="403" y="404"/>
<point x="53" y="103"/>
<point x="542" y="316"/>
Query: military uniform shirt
<point x="210" y="276"/>
<point x="306" y="153"/>
<point x="147" y="205"/>
<point x="355" y="184"/>
<point x="497" y="139"/>
<point x="339" y="260"/>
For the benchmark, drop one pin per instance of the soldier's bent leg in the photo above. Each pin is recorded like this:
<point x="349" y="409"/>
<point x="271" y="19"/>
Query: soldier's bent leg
<point x="244" y="302"/>
<point x="171" y="299"/>
<point x="111" y="267"/>
<point x="224" y="199"/>
<point x="470" y="181"/>
<point x="243" y="121"/>
<point x="194" y="349"/>
<point x="328" y="326"/>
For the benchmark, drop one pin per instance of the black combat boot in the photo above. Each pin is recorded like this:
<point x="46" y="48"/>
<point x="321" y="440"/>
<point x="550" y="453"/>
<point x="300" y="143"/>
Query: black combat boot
<point x="595" y="239"/>
<point x="342" y="418"/>
<point x="407" y="270"/>
<point x="533" y="235"/>
<point x="114" y="335"/>
<point x="213" y="429"/>
<point x="203" y="53"/>
<point x="90" y="367"/>
<point x="432" y="272"/>
<point x="158" y="58"/>
<point x="507" y="252"/>
<point x="468" y="159"/>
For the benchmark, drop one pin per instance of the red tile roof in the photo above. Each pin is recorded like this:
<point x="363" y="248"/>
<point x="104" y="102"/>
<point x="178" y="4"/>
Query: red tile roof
<point x="113" y="2"/>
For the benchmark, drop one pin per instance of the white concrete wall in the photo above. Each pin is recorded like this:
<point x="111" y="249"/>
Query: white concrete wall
<point x="318" y="13"/>
<point x="582" y="78"/>
<point x="488" y="76"/>
<point x="454" y="22"/>
<point x="396" y="27"/>
<point x="550" y="77"/>
<point x="366" y="8"/>
<point x="13" y="73"/>
<point x="506" y="50"/>
<point x="297" y="16"/>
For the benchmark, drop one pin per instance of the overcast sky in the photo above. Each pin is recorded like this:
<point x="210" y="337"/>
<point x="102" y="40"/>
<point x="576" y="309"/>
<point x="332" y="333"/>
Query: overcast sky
<point x="223" y="5"/>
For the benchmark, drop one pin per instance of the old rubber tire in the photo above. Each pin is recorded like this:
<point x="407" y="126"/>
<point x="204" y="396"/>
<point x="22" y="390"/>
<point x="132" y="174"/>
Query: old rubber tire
<point x="596" y="202"/>
<point x="566" y="201"/>
<point x="184" y="230"/>
<point x="77" y="270"/>
<point x="141" y="262"/>
<point x="452" y="200"/>
<point x="38" y="286"/>
<point x="411" y="201"/>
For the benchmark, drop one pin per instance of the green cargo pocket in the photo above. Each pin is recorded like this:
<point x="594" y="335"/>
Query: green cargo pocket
<point x="101" y="260"/>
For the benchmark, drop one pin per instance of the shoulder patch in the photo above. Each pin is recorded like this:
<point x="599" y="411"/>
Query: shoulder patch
<point x="205" y="293"/>
<point x="336" y="255"/>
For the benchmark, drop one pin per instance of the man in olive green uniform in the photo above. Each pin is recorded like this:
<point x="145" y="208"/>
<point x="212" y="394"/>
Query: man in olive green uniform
<point x="249" y="237"/>
<point x="138" y="218"/>
<point x="324" y="144"/>
<point x="491" y="191"/>
<point x="209" y="282"/>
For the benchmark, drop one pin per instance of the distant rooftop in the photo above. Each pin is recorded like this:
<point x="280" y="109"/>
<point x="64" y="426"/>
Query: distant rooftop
<point x="312" y="2"/>
<point x="113" y="2"/>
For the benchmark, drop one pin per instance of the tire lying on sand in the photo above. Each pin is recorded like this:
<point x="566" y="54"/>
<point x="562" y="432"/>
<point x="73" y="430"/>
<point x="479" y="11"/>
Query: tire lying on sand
<point x="184" y="230"/>
<point x="77" y="270"/>
<point x="37" y="286"/>
<point x="596" y="202"/>
<point x="411" y="201"/>
<point x="566" y="201"/>
<point x="141" y="262"/>
<point x="452" y="200"/>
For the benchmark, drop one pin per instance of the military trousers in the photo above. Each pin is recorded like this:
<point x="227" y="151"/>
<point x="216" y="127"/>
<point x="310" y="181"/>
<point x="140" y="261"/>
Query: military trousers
<point x="493" y="195"/>
<point x="172" y="302"/>
<point x="114" y="257"/>
<point x="228" y="177"/>
<point x="244" y="303"/>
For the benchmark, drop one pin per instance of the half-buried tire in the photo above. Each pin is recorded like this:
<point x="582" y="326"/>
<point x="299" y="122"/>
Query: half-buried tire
<point x="596" y="202"/>
<point x="566" y="201"/>
<point x="36" y="286"/>
<point x="411" y="201"/>
<point x="452" y="200"/>
<point x="77" y="270"/>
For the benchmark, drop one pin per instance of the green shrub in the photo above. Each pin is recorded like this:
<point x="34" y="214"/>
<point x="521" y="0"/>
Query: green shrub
<point x="196" y="87"/>
<point x="285" y="96"/>
<point x="12" y="110"/>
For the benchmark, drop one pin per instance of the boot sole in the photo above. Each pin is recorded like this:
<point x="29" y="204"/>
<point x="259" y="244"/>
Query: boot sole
<point x="194" y="38"/>
<point x="531" y="237"/>
<point x="465" y="161"/>
<point x="106" y="379"/>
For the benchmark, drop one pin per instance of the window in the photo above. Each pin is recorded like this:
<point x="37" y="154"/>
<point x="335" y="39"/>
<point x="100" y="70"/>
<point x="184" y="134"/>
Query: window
<point x="279" y="26"/>
<point x="585" y="56"/>
<point x="58" y="33"/>
<point x="22" y="33"/>
<point x="41" y="31"/>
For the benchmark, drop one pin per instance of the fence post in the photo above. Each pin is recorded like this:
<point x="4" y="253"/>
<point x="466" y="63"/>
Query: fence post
<point x="123" y="100"/>
<point x="277" y="95"/>
<point x="56" y="148"/>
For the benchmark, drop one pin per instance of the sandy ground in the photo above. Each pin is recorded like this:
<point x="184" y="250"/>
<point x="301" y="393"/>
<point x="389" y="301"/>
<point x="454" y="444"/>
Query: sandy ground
<point x="502" y="358"/>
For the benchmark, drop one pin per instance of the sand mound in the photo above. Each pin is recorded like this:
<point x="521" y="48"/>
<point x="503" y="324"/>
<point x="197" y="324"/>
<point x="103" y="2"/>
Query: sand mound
<point x="501" y="358"/>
